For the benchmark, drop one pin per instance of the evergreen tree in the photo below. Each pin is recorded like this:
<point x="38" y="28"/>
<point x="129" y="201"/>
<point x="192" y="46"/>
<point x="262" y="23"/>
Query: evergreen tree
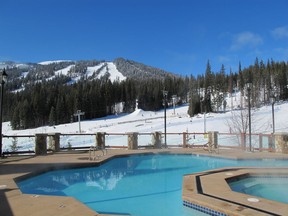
<point x="14" y="146"/>
<point x="208" y="84"/>
<point x="52" y="116"/>
<point x="241" y="84"/>
<point x="60" y="110"/>
<point x="219" y="88"/>
<point x="268" y="83"/>
<point x="194" y="99"/>
<point x="25" y="114"/>
<point x="15" y="122"/>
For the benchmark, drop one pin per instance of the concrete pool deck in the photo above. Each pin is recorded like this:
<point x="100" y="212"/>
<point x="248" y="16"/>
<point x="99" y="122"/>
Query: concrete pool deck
<point x="14" y="203"/>
<point x="210" y="190"/>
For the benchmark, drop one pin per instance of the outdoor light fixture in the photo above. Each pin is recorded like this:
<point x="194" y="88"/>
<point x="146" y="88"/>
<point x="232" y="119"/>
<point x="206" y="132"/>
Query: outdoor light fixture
<point x="3" y="80"/>
<point x="165" y="94"/>
<point x="249" y="86"/>
<point x="174" y="97"/>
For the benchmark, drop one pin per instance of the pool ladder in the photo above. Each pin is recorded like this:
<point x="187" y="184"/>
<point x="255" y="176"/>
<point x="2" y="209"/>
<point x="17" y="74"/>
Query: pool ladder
<point x="93" y="150"/>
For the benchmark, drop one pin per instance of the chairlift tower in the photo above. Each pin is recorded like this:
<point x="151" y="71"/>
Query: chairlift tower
<point x="78" y="114"/>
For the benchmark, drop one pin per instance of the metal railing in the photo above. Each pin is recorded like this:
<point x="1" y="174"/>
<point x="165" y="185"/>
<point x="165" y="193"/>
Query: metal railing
<point x="25" y="144"/>
<point x="259" y="142"/>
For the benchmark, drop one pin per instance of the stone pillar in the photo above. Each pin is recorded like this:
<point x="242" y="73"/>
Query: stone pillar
<point x="184" y="140"/>
<point x="271" y="144"/>
<point x="40" y="144"/>
<point x="260" y="142"/>
<point x="54" y="141"/>
<point x="132" y="140"/>
<point x="243" y="141"/>
<point x="281" y="142"/>
<point x="100" y="140"/>
<point x="213" y="139"/>
<point x="156" y="139"/>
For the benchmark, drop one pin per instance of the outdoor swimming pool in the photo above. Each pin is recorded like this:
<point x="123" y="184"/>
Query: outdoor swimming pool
<point x="138" y="185"/>
<point x="268" y="187"/>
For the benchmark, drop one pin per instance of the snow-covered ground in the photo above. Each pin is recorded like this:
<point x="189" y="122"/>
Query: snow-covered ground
<point x="149" y="122"/>
<point x="110" y="68"/>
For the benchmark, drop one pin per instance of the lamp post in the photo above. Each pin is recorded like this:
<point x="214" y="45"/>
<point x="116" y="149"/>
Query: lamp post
<point x="165" y="93"/>
<point x="272" y="99"/>
<point x="249" y="86"/>
<point x="3" y="80"/>
<point x="204" y="123"/>
<point x="174" y="97"/>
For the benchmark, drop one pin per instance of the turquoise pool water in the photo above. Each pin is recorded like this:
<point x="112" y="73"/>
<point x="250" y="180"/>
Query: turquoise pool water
<point x="268" y="187"/>
<point x="139" y="185"/>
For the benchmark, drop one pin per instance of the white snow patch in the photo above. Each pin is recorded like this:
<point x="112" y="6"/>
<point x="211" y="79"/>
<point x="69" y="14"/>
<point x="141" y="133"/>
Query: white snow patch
<point x="109" y="68"/>
<point x="24" y="74"/>
<point x="51" y="62"/>
<point x="114" y="73"/>
<point x="64" y="71"/>
<point x="21" y="65"/>
<point x="91" y="70"/>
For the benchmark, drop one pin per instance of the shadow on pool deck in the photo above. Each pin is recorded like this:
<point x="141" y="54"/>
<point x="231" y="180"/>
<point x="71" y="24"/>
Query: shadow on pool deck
<point x="4" y="204"/>
<point x="14" y="203"/>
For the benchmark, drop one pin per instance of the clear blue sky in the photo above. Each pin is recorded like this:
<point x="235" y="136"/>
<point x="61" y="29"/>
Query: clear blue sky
<point x="175" y="35"/>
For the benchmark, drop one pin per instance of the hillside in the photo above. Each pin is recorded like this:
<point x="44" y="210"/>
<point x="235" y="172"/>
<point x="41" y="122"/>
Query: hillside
<point x="137" y="70"/>
<point x="49" y="93"/>
<point x="22" y="75"/>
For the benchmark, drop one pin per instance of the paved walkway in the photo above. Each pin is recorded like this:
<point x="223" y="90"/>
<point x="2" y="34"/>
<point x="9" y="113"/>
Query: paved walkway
<point x="14" y="203"/>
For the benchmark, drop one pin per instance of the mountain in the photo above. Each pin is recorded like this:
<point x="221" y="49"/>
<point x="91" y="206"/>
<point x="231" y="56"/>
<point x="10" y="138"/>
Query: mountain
<point x="11" y="64"/>
<point x="69" y="72"/>
<point x="137" y="70"/>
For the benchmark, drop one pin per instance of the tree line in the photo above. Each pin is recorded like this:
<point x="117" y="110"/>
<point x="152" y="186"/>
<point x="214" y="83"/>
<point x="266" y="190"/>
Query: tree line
<point x="55" y="102"/>
<point x="208" y="91"/>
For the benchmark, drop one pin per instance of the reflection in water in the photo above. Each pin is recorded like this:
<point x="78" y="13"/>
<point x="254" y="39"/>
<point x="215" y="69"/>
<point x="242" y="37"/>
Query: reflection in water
<point x="104" y="183"/>
<point x="105" y="177"/>
<point x="54" y="182"/>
